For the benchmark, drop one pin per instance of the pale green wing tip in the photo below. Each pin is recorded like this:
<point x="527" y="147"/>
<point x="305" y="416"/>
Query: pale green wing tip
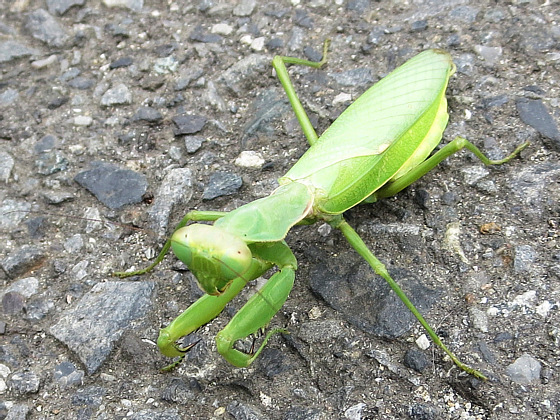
<point x="448" y="58"/>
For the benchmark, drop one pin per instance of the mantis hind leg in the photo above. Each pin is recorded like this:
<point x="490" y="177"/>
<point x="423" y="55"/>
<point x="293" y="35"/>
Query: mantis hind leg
<point x="279" y="64"/>
<point x="380" y="269"/>
<point x="419" y="171"/>
<point x="194" y="216"/>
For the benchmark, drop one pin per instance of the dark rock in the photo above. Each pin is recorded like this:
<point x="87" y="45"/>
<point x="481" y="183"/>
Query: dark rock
<point x="188" y="124"/>
<point x="199" y="35"/>
<point x="424" y="411"/>
<point x="312" y="54"/>
<point x="354" y="77"/>
<point x="148" y="114"/>
<point x="536" y="41"/>
<point x="57" y="102"/>
<point x="495" y="101"/>
<point x="220" y="184"/>
<point x="67" y="375"/>
<point x="486" y="353"/>
<point x="81" y="82"/>
<point x="45" y="144"/>
<point x="121" y="62"/>
<point x="113" y="186"/>
<point x="416" y="360"/>
<point x="272" y="362"/>
<point x="303" y="19"/>
<point x="181" y="392"/>
<point x="534" y="89"/>
<point x="465" y="14"/>
<point x="13" y="303"/>
<point x="90" y="396"/>
<point x="503" y="336"/>
<point x="70" y="74"/>
<point x="275" y="43"/>
<point x="268" y="107"/>
<point x="419" y="25"/>
<point x="164" y="50"/>
<point x="533" y="112"/>
<point x="152" y="82"/>
<point x="423" y="198"/>
<point x="23" y="260"/>
<point x="244" y="70"/>
<point x="59" y="7"/>
<point x="242" y="411"/>
<point x="175" y="190"/>
<point x="366" y="300"/>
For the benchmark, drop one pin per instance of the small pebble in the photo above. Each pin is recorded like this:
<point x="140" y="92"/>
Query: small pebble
<point x="525" y="370"/>
<point x="249" y="159"/>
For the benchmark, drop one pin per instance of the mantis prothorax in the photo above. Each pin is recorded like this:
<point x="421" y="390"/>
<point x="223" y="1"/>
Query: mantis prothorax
<point x="378" y="146"/>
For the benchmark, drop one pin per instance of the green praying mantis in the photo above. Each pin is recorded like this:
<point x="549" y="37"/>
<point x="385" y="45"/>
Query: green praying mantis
<point x="378" y="146"/>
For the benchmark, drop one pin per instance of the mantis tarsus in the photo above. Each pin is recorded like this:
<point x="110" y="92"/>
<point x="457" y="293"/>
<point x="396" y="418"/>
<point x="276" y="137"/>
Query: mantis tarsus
<point x="378" y="146"/>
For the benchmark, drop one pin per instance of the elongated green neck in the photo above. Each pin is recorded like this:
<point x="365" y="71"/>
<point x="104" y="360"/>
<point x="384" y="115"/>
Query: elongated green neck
<point x="270" y="218"/>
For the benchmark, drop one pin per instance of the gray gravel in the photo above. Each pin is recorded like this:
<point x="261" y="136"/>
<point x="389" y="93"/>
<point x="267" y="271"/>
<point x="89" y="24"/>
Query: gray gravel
<point x="119" y="116"/>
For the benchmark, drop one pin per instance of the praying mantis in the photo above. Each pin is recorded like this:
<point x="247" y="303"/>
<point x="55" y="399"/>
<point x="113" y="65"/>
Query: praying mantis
<point x="378" y="146"/>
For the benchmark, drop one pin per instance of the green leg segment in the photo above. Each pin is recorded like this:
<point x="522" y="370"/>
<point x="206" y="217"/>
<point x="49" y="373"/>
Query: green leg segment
<point x="380" y="269"/>
<point x="254" y="315"/>
<point x="262" y="306"/>
<point x="195" y="216"/>
<point x="456" y="145"/>
<point x="279" y="64"/>
<point x="204" y="310"/>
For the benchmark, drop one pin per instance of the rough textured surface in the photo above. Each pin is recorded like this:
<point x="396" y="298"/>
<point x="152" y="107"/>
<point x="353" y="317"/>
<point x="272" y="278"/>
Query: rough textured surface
<point x="91" y="328"/>
<point x="128" y="82"/>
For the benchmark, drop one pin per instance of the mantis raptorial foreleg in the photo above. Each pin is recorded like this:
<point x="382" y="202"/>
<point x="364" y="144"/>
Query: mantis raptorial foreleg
<point x="194" y="216"/>
<point x="204" y="310"/>
<point x="254" y="315"/>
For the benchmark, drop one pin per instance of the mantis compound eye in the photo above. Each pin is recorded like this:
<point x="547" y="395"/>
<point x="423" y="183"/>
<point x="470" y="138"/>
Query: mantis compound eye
<point x="214" y="256"/>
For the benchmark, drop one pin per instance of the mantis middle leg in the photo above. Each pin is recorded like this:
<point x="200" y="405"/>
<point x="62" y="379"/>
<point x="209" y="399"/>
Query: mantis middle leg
<point x="279" y="64"/>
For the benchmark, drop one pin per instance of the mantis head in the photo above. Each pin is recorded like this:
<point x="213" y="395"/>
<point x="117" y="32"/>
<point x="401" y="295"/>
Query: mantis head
<point x="214" y="256"/>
